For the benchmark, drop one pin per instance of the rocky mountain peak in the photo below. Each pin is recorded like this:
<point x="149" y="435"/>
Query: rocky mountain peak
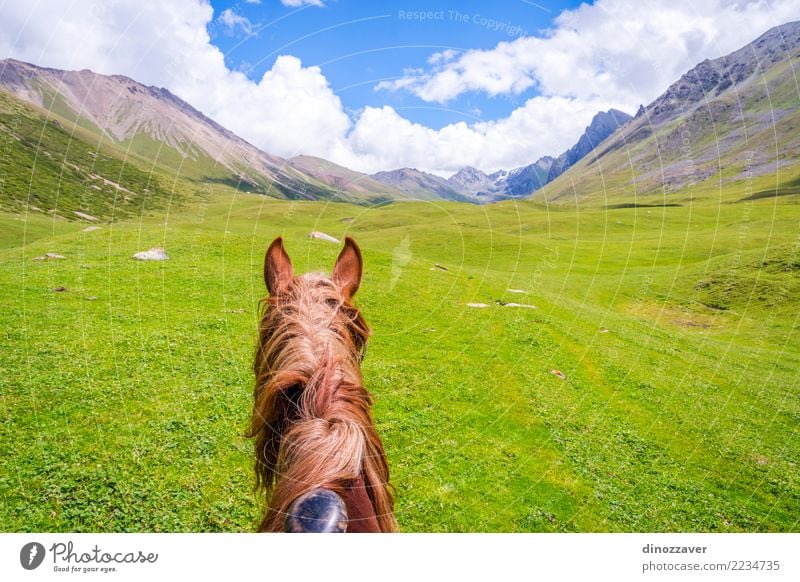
<point x="710" y="78"/>
<point x="603" y="124"/>
<point x="471" y="180"/>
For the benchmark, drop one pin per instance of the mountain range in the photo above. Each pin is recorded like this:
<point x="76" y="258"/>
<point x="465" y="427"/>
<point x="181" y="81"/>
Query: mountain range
<point x="472" y="185"/>
<point x="724" y="121"/>
<point x="730" y="124"/>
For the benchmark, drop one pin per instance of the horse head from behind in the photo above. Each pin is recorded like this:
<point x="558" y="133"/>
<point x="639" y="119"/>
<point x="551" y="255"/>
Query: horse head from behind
<point x="319" y="460"/>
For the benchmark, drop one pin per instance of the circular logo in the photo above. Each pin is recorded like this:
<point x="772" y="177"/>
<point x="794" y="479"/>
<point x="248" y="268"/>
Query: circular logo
<point x="31" y="555"/>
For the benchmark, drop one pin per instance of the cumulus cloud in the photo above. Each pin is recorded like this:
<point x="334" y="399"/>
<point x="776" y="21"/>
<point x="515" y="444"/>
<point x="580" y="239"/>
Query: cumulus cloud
<point x="610" y="54"/>
<point x="158" y="43"/>
<point x="382" y="138"/>
<point x="232" y="22"/>
<point x="612" y="50"/>
<point x="291" y="110"/>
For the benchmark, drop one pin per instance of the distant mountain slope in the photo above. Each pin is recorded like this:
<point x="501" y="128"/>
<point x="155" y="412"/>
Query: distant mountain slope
<point x="603" y="124"/>
<point x="473" y="182"/>
<point x="729" y="126"/>
<point x="344" y="179"/>
<point x="521" y="182"/>
<point x="142" y="118"/>
<point x="159" y="129"/>
<point x="470" y="184"/>
<point x="420" y="185"/>
<point x="124" y="109"/>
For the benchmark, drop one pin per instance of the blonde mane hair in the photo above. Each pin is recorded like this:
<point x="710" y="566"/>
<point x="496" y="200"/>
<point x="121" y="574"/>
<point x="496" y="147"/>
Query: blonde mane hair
<point x="311" y="421"/>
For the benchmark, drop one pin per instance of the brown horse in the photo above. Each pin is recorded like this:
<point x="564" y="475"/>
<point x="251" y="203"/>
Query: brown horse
<point x="312" y="425"/>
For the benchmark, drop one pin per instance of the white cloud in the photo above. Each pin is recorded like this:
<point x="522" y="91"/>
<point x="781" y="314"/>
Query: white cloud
<point x="158" y="43"/>
<point x="292" y="109"/>
<point x="232" y="21"/>
<point x="382" y="138"/>
<point x="613" y="50"/>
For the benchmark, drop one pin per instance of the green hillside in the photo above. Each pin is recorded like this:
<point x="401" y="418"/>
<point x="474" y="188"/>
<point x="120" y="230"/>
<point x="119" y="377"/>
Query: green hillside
<point x="125" y="397"/>
<point x="49" y="168"/>
<point x="55" y="166"/>
<point x="61" y="115"/>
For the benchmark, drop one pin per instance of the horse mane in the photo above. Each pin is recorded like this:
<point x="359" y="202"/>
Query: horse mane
<point x="311" y="420"/>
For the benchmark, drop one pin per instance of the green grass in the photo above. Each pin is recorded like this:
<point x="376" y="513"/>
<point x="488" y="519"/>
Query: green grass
<point x="46" y="169"/>
<point x="123" y="400"/>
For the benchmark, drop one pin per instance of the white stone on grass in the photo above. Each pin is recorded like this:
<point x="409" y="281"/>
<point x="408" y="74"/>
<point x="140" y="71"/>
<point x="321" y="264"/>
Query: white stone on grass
<point x="154" y="254"/>
<point x="50" y="257"/>
<point x="85" y="216"/>
<point x="322" y="236"/>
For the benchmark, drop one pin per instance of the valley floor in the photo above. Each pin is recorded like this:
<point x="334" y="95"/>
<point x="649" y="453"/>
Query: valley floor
<point x="125" y="397"/>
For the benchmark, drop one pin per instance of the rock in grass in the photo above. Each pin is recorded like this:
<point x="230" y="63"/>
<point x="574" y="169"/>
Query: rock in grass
<point x="85" y="216"/>
<point x="90" y="229"/>
<point x="50" y="257"/>
<point x="523" y="305"/>
<point x="154" y="254"/>
<point x="477" y="305"/>
<point x="322" y="236"/>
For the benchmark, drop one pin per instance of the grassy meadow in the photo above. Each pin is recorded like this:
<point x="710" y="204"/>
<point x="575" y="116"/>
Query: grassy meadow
<point x="124" y="399"/>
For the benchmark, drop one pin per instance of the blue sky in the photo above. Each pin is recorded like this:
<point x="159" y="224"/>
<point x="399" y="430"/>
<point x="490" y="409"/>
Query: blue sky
<point x="358" y="44"/>
<point x="434" y="85"/>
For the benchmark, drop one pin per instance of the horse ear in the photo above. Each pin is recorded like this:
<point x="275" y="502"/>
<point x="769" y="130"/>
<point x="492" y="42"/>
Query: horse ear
<point x="277" y="266"/>
<point x="348" y="268"/>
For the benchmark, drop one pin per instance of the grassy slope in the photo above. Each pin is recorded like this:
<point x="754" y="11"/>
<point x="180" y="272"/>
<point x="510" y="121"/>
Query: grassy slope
<point x="125" y="398"/>
<point x="346" y="182"/>
<point x="49" y="153"/>
<point x="50" y="168"/>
